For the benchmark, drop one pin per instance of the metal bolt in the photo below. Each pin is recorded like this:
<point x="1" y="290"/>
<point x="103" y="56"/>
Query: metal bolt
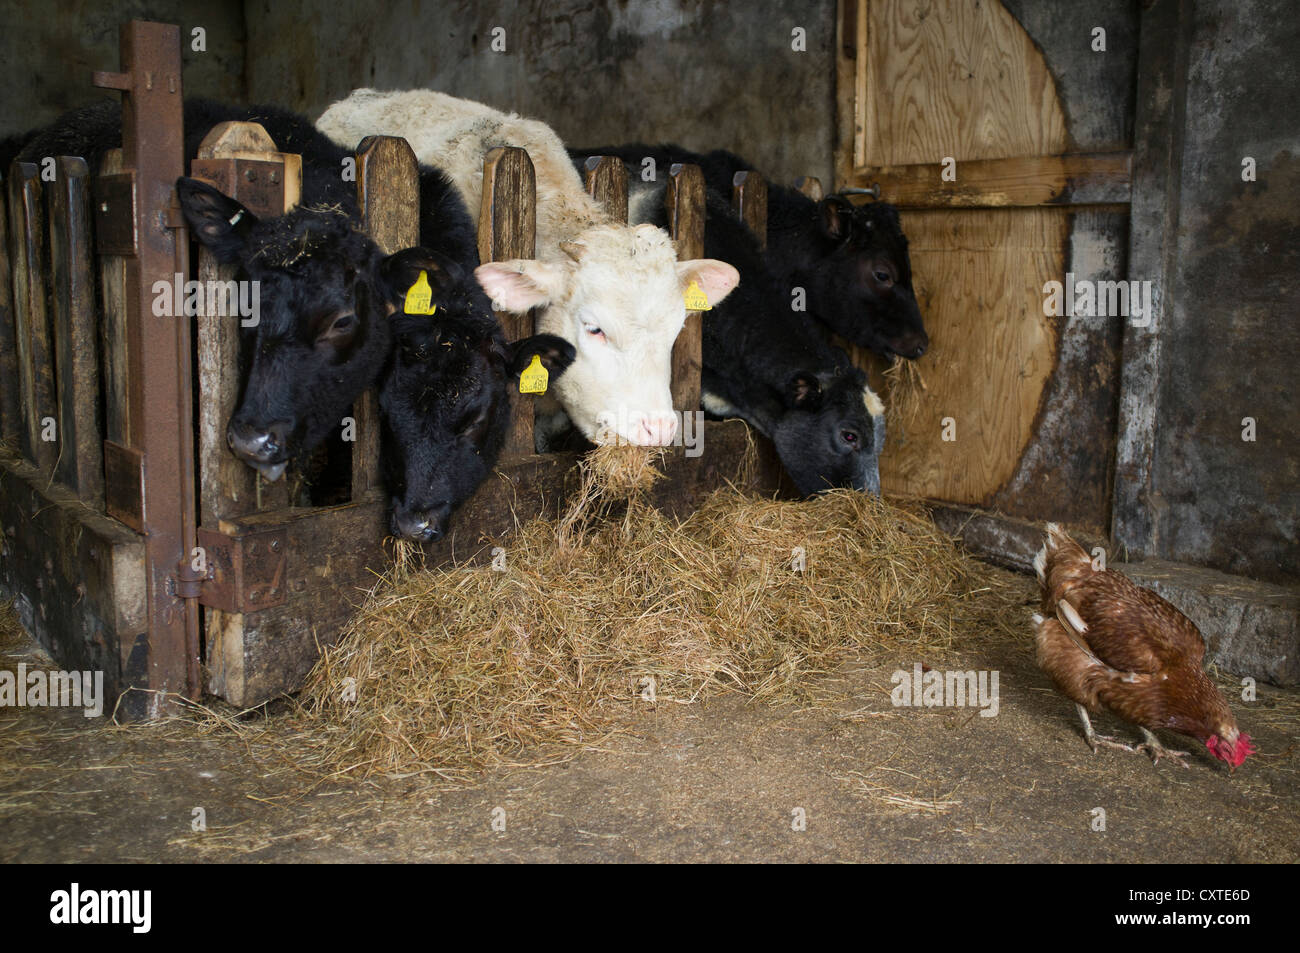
<point x="275" y="545"/>
<point x="252" y="549"/>
<point x="250" y="175"/>
<point x="275" y="177"/>
<point x="255" y="595"/>
<point x="275" y="593"/>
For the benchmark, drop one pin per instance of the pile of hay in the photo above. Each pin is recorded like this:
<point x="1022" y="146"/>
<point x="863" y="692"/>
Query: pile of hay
<point x="616" y="606"/>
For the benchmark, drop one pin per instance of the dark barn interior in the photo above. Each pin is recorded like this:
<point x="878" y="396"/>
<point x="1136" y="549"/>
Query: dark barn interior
<point x="1139" y="154"/>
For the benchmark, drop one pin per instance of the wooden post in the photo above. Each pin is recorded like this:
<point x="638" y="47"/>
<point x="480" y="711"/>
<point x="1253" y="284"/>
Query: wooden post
<point x="31" y="320"/>
<point x="240" y="159"/>
<point x="749" y="198"/>
<point x="606" y="181"/>
<point x="810" y="186"/>
<point x="507" y="228"/>
<point x="1158" y="147"/>
<point x="685" y="202"/>
<point x="388" y="192"/>
<point x="81" y="463"/>
<point x="11" y="419"/>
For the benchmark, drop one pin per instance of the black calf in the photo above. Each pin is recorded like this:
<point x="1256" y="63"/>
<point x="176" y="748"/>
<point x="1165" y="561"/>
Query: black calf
<point x="445" y="399"/>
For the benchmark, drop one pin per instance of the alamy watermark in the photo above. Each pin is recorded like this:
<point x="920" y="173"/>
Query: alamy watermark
<point x="920" y="688"/>
<point x="43" y="689"/>
<point x="218" y="299"/>
<point x="1099" y="299"/>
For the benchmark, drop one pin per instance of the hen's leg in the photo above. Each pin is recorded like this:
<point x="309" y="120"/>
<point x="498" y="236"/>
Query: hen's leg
<point x="1095" y="739"/>
<point x="1157" y="751"/>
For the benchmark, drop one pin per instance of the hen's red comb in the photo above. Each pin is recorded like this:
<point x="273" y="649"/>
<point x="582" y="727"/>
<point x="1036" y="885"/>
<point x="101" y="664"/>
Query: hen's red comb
<point x="1234" y="755"/>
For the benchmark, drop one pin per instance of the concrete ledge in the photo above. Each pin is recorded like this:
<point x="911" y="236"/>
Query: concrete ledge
<point x="1250" y="627"/>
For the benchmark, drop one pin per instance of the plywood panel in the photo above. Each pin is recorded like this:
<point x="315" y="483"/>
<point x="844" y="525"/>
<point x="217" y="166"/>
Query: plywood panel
<point x="932" y="79"/>
<point x="954" y="78"/>
<point x="979" y="279"/>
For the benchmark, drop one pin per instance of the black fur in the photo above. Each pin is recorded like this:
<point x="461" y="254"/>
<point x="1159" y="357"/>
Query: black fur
<point x="851" y="260"/>
<point x="445" y="400"/>
<point x="326" y="292"/>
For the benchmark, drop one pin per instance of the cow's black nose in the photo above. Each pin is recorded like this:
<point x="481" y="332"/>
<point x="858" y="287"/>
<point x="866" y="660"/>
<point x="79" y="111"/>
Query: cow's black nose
<point x="258" y="443"/>
<point x="422" y="527"/>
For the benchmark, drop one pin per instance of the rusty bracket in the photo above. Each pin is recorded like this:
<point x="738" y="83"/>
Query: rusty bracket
<point x="257" y="183"/>
<point x="115" y="219"/>
<point x="247" y="572"/>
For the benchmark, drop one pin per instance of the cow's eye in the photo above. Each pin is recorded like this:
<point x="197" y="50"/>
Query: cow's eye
<point x="593" y="330"/>
<point x="849" y="437"/>
<point x="883" y="277"/>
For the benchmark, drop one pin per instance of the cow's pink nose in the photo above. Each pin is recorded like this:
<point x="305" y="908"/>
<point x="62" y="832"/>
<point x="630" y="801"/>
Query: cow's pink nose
<point x="656" y="430"/>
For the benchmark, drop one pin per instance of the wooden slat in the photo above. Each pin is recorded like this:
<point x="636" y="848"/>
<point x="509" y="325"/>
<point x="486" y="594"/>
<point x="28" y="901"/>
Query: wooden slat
<point x="81" y="464"/>
<point x="810" y="186"/>
<point x="749" y="198"/>
<point x="1023" y="182"/>
<point x="113" y="355"/>
<point x="685" y="202"/>
<point x="388" y="191"/>
<point x="31" y="320"/>
<point x="507" y="228"/>
<point x="606" y="181"/>
<point x="11" y="420"/>
<point x="227" y="486"/>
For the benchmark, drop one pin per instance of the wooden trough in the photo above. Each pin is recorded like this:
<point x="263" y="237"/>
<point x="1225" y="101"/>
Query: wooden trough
<point x="134" y="542"/>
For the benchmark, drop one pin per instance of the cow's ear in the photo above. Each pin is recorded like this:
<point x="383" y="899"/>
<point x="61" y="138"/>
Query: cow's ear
<point x="400" y="272"/>
<point x="521" y="284"/>
<point x="834" y="216"/>
<point x="220" y="223"/>
<point x="804" y="392"/>
<point x="715" y="278"/>
<point x="556" y="354"/>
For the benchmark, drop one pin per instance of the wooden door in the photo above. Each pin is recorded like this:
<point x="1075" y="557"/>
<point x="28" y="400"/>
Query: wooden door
<point x="928" y="86"/>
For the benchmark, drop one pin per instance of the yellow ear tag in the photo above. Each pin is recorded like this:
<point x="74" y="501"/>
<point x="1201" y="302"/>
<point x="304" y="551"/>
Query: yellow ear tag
<point x="419" y="297"/>
<point x="534" y="377"/>
<point x="696" y="299"/>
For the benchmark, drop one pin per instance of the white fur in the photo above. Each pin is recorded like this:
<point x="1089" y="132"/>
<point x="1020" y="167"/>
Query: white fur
<point x="590" y="271"/>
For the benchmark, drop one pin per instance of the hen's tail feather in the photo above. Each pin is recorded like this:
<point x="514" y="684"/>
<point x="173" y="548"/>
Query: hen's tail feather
<point x="1061" y="565"/>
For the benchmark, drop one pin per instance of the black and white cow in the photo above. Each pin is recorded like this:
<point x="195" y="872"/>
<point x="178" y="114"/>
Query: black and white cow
<point x="768" y="364"/>
<point x="852" y="261"/>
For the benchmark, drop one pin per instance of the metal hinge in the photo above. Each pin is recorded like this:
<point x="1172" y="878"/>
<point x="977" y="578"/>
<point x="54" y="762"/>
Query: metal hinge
<point x="245" y="572"/>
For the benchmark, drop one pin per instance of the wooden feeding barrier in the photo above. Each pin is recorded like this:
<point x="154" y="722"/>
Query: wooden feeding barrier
<point x="134" y="542"/>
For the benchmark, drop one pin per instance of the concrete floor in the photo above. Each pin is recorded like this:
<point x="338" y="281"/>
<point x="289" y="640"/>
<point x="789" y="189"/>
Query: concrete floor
<point x="724" y="780"/>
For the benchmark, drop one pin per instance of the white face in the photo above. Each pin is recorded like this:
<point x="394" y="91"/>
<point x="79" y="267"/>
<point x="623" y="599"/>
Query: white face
<point x="618" y="300"/>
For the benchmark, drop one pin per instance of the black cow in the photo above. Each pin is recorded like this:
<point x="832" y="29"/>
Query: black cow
<point x="767" y="363"/>
<point x="851" y="261"/>
<point x="326" y="289"/>
<point x="445" y="400"/>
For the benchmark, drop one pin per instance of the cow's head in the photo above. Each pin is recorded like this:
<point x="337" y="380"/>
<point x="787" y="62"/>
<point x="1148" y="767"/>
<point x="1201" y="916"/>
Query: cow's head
<point x="831" y="431"/>
<point x="322" y="334"/>
<point x="864" y="279"/>
<point x="617" y="298"/>
<point x="445" y="400"/>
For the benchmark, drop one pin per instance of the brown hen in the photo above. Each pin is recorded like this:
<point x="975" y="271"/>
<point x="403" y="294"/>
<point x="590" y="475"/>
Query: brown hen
<point x="1111" y="645"/>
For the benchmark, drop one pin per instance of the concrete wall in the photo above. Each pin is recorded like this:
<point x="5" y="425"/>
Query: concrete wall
<point x="1232" y="345"/>
<point x="50" y="50"/>
<point x="704" y="73"/>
